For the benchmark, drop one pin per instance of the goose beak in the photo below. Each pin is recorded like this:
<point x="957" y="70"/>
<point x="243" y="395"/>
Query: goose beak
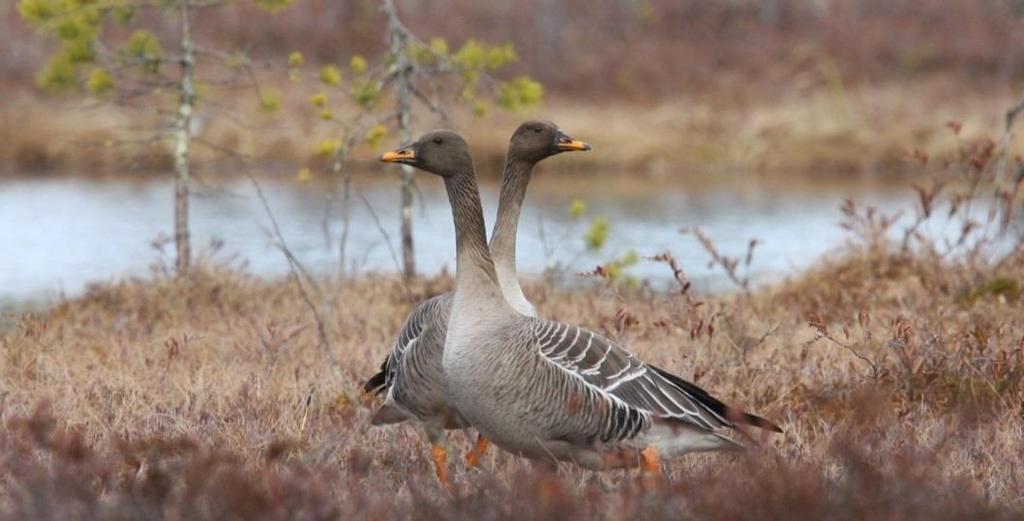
<point x="406" y="154"/>
<point x="564" y="143"/>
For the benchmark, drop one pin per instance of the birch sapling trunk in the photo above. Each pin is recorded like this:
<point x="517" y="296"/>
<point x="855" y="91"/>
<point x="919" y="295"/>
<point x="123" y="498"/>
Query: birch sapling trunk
<point x="398" y="43"/>
<point x="405" y="133"/>
<point x="182" y="143"/>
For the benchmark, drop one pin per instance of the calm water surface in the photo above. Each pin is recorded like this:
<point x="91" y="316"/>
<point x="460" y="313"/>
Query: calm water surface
<point x="57" y="235"/>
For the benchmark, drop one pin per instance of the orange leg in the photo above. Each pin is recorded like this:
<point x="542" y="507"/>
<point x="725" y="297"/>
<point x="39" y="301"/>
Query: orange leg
<point x="440" y="456"/>
<point x="548" y="486"/>
<point x="473" y="456"/>
<point x="650" y="464"/>
<point x="651" y="461"/>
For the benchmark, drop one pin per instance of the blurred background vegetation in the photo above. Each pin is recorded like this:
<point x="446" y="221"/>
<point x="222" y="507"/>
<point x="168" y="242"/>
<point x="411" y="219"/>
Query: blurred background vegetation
<point x="838" y="85"/>
<point x="638" y="49"/>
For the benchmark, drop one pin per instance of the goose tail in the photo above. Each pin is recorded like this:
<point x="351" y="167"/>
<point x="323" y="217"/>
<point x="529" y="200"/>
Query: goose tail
<point x="377" y="384"/>
<point x="732" y="414"/>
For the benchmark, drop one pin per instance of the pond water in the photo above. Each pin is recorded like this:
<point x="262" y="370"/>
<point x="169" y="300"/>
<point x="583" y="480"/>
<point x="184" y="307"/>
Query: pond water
<point x="57" y="235"/>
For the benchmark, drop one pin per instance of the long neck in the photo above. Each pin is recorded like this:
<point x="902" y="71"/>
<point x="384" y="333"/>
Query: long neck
<point x="475" y="276"/>
<point x="506" y="225"/>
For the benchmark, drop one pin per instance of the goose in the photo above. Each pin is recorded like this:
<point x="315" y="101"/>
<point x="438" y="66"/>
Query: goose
<point x="548" y="390"/>
<point x="411" y="374"/>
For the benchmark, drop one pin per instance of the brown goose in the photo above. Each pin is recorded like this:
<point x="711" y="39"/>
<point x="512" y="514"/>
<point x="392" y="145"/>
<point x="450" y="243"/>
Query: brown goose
<point x="411" y="375"/>
<point x="545" y="389"/>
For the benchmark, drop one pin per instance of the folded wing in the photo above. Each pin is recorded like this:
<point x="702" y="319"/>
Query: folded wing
<point x="630" y="387"/>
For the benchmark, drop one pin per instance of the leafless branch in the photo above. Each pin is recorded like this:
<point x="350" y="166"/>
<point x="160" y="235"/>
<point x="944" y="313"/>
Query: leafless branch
<point x="383" y="231"/>
<point x="729" y="265"/>
<point x="297" y="271"/>
<point x="677" y="273"/>
<point x="818" y="324"/>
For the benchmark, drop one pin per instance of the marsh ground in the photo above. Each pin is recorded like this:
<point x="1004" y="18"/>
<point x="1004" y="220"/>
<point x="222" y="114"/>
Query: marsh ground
<point x="897" y="378"/>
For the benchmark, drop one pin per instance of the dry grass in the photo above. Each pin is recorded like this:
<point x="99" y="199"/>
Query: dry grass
<point x="896" y="376"/>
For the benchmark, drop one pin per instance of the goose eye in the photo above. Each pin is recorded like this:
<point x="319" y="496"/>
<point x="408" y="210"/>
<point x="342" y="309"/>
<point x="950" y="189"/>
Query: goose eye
<point x="438" y="140"/>
<point x="537" y="130"/>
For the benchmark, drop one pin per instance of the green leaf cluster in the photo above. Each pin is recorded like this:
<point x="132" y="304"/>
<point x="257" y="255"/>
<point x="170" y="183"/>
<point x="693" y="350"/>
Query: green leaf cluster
<point x="274" y="5"/>
<point x="474" y="58"/>
<point x="60" y="72"/>
<point x="1000" y="287"/>
<point x="520" y="93"/>
<point x="330" y="75"/>
<point x="37" y="12"/>
<point x="144" y="50"/>
<point x="295" y="61"/>
<point x="480" y="109"/>
<point x="366" y="94"/>
<point x="431" y="54"/>
<point x="597" y="235"/>
<point x="358" y="64"/>
<point x="328" y="147"/>
<point x="614" y="271"/>
<point x="577" y="208"/>
<point x="77" y="25"/>
<point x="375" y="136"/>
<point x="270" y="99"/>
<point x="100" y="81"/>
<point x="477" y="56"/>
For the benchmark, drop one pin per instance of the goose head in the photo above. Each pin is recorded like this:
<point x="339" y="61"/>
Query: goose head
<point x="441" y="152"/>
<point x="536" y="140"/>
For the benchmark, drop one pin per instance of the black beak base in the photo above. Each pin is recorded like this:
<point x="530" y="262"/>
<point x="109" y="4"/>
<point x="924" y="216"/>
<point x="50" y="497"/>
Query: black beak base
<point x="565" y="143"/>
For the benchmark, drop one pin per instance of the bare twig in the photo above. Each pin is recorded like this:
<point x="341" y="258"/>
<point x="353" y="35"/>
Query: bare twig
<point x="354" y="134"/>
<point x="818" y="324"/>
<point x="296" y="271"/>
<point x="677" y="273"/>
<point x="325" y="221"/>
<point x="729" y="265"/>
<point x="383" y="231"/>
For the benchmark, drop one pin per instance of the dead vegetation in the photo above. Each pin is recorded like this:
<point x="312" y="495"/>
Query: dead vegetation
<point x="211" y="398"/>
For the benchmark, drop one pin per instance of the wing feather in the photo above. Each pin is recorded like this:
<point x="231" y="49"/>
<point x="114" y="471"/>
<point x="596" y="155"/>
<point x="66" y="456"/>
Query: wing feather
<point x="636" y="393"/>
<point x="415" y="325"/>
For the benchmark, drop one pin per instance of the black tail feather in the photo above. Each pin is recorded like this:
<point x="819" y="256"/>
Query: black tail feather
<point x="378" y="382"/>
<point x="723" y="410"/>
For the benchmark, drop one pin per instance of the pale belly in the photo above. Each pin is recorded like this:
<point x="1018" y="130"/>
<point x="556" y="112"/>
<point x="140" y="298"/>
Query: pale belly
<point x="488" y="392"/>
